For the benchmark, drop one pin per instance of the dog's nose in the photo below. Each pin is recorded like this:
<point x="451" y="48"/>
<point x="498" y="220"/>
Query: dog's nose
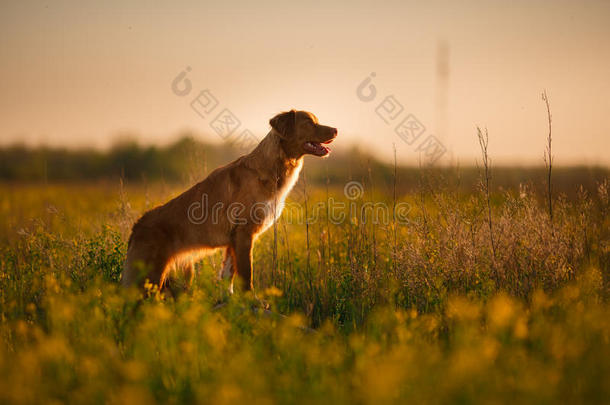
<point x="333" y="131"/>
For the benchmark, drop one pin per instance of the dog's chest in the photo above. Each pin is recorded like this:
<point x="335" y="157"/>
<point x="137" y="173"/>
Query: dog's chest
<point x="275" y="205"/>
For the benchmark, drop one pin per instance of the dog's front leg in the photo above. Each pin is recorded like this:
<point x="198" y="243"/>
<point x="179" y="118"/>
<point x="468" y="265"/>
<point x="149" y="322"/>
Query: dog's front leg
<point x="243" y="256"/>
<point x="227" y="269"/>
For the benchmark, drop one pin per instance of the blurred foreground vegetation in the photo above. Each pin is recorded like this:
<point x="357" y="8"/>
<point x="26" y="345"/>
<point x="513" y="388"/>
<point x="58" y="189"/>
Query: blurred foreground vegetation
<point x="427" y="310"/>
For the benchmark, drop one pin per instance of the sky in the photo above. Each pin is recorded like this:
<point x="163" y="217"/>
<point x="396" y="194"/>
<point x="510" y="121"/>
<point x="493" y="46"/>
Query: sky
<point x="85" y="73"/>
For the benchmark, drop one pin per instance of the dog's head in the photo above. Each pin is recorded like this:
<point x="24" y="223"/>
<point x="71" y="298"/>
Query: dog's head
<point x="302" y="134"/>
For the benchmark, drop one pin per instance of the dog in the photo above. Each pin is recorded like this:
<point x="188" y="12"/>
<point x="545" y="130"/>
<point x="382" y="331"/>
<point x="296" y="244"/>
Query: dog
<point x="229" y="209"/>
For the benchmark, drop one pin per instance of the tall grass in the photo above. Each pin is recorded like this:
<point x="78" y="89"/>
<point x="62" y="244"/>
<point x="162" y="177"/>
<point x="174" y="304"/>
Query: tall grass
<point x="420" y="311"/>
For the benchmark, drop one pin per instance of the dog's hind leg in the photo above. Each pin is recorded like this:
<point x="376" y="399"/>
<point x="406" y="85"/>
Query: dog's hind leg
<point x="144" y="264"/>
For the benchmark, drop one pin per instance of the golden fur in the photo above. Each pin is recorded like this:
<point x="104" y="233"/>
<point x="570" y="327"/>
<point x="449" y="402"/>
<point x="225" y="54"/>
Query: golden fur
<point x="257" y="182"/>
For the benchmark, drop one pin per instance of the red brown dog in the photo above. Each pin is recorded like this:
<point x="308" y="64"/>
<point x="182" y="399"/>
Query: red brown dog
<point x="228" y="209"/>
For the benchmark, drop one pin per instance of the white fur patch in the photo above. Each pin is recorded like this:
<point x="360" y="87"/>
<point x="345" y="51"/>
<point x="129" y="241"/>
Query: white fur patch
<point x="280" y="198"/>
<point x="226" y="270"/>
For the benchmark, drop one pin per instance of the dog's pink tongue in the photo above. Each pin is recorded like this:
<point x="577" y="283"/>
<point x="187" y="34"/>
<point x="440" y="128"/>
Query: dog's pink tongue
<point x="316" y="148"/>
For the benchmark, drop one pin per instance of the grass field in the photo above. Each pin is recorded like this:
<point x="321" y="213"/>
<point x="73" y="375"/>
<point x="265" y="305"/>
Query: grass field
<point x="448" y="301"/>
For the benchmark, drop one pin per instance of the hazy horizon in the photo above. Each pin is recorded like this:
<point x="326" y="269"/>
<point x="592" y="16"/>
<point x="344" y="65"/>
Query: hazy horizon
<point x="79" y="73"/>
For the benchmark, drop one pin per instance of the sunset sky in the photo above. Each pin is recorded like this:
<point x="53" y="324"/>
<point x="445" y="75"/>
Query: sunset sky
<point x="80" y="73"/>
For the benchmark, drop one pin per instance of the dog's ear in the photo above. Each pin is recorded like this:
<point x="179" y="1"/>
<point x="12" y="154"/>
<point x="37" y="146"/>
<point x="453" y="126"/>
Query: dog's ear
<point x="284" y="123"/>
